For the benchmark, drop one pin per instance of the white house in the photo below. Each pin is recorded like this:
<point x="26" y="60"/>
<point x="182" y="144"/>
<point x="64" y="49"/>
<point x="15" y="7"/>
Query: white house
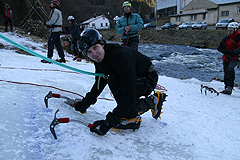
<point x="99" y="22"/>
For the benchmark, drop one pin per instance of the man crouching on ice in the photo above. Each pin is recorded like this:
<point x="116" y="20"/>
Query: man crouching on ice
<point x="130" y="76"/>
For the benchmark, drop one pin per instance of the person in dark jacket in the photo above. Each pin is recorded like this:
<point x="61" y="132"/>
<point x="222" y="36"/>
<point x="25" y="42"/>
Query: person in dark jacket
<point x="55" y="25"/>
<point x="129" y="25"/>
<point x="8" y="17"/>
<point x="131" y="75"/>
<point x="230" y="47"/>
<point x="75" y="33"/>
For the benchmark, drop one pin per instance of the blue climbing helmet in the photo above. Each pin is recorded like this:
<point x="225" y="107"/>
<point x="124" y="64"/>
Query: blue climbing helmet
<point x="87" y="39"/>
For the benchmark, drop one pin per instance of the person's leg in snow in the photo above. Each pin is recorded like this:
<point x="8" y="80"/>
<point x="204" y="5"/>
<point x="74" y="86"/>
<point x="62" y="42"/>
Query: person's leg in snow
<point x="145" y="86"/>
<point x="229" y="76"/>
<point x="153" y="102"/>
<point x="59" y="47"/>
<point x="54" y="39"/>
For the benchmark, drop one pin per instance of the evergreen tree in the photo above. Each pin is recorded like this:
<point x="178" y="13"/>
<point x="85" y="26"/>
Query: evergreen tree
<point x="20" y="10"/>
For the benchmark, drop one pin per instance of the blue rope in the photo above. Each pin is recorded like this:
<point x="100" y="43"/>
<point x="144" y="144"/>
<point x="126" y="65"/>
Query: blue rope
<point x="48" y="59"/>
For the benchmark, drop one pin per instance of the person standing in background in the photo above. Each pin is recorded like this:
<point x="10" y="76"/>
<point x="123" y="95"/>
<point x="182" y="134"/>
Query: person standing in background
<point x="55" y="25"/>
<point x="129" y="25"/>
<point x="8" y="17"/>
<point x="230" y="48"/>
<point x="74" y="31"/>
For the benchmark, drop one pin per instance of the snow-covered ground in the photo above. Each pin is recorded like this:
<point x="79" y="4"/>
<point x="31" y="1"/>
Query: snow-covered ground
<point x="193" y="125"/>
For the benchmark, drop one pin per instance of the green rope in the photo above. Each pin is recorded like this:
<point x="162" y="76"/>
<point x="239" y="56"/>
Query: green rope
<point x="48" y="59"/>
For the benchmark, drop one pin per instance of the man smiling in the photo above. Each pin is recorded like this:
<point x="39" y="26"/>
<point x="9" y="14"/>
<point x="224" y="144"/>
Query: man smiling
<point x="131" y="75"/>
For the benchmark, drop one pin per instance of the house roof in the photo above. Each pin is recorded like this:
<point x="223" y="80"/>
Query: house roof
<point x="224" y="1"/>
<point x="189" y="13"/>
<point x="205" y="4"/>
<point x="92" y="19"/>
<point x="116" y="18"/>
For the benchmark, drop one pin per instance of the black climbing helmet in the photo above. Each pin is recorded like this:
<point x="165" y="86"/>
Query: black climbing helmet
<point x="87" y="39"/>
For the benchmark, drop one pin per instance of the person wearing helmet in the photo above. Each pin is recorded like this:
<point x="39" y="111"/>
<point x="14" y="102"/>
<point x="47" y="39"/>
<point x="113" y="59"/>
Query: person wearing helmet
<point x="130" y="75"/>
<point x="129" y="25"/>
<point x="75" y="33"/>
<point x="55" y="25"/>
<point x="8" y="17"/>
<point x="230" y="47"/>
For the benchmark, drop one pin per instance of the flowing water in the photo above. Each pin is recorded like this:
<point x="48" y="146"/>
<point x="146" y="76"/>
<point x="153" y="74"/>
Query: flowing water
<point x="186" y="62"/>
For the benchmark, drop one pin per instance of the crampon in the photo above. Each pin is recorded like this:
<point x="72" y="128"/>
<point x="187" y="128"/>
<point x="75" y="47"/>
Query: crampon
<point x="212" y="90"/>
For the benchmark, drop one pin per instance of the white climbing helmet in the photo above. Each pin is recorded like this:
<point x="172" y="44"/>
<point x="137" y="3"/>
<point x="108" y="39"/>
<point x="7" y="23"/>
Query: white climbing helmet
<point x="233" y="25"/>
<point x="70" y="18"/>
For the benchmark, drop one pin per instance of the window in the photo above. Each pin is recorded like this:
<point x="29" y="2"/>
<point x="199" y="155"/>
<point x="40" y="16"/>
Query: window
<point x="101" y="25"/>
<point x="238" y="9"/>
<point x="204" y="16"/>
<point x="224" y="13"/>
<point x="193" y="17"/>
<point x="106" y="24"/>
<point x="178" y="18"/>
<point x="93" y="25"/>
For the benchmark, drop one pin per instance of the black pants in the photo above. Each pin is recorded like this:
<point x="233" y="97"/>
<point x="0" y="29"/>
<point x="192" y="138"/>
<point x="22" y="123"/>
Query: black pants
<point x="145" y="85"/>
<point x="8" y="20"/>
<point x="54" y="39"/>
<point x="131" y="42"/>
<point x="229" y="73"/>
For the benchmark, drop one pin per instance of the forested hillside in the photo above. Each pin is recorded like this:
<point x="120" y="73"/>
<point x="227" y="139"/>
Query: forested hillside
<point x="80" y="9"/>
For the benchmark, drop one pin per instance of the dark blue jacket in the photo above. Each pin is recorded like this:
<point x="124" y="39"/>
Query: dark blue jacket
<point x="74" y="30"/>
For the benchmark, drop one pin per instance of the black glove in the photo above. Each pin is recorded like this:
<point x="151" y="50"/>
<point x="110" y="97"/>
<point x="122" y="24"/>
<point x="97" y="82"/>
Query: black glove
<point x="82" y="106"/>
<point x="101" y="127"/>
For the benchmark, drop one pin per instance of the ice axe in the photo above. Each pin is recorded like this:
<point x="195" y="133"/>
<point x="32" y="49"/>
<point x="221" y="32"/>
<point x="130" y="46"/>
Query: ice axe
<point x="72" y="102"/>
<point x="56" y="121"/>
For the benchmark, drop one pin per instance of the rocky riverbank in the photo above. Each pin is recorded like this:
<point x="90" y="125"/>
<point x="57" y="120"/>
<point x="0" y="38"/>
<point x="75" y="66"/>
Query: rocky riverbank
<point x="209" y="38"/>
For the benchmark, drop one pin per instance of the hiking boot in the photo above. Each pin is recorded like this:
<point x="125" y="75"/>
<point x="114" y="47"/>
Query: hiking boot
<point x="132" y="123"/>
<point x="227" y="90"/>
<point x="62" y="60"/>
<point x="44" y="61"/>
<point x="158" y="99"/>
